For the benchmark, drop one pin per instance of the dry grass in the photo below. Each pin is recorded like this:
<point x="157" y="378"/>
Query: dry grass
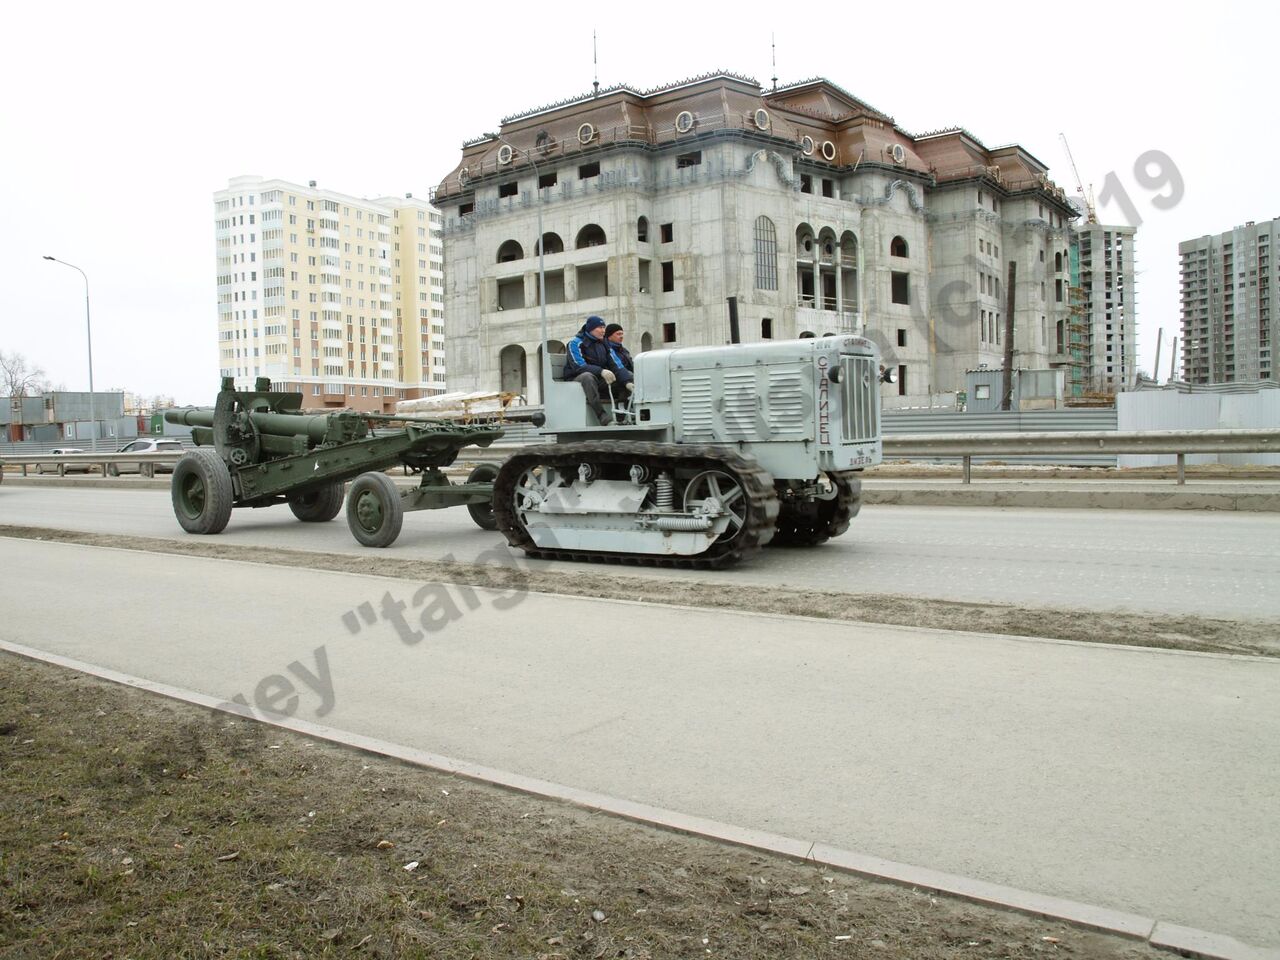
<point x="132" y="826"/>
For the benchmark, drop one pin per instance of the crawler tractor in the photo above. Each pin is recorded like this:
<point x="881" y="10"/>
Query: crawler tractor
<point x="720" y="451"/>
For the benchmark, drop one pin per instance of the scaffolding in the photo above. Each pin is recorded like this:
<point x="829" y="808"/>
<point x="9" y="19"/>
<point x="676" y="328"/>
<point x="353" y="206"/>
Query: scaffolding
<point x="1073" y="347"/>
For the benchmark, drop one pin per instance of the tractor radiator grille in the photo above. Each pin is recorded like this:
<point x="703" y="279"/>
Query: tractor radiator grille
<point x="740" y="405"/>
<point x="861" y="411"/>
<point x="788" y="406"/>
<point x="697" y="418"/>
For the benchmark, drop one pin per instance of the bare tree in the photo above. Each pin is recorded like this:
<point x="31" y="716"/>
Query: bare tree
<point x="17" y="379"/>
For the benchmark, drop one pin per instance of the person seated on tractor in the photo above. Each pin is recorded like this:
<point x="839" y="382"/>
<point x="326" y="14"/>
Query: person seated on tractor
<point x="625" y="384"/>
<point x="622" y="356"/>
<point x="590" y="362"/>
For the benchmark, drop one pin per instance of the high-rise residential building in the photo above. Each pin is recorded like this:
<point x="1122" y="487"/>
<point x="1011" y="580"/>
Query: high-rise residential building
<point x="1102" y="275"/>
<point x="338" y="298"/>
<point x="1226" y="304"/>
<point x="814" y="210"/>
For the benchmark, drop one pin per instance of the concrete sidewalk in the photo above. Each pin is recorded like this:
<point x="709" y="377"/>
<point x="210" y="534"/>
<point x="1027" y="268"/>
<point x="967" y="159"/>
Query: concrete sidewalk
<point x="1139" y="780"/>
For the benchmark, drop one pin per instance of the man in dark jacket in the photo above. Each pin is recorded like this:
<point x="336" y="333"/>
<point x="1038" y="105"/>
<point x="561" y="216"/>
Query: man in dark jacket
<point x="622" y="357"/>
<point x="591" y="363"/>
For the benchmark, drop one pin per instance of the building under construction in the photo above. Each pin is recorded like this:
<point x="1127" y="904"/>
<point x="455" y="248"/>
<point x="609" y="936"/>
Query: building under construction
<point x="1226" y="304"/>
<point x="1102" y="295"/>
<point x="815" y="211"/>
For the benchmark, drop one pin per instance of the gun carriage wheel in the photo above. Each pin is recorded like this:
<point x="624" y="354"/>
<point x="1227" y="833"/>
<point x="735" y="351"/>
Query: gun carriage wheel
<point x="201" y="492"/>
<point x="318" y="506"/>
<point x="482" y="513"/>
<point x="374" y="510"/>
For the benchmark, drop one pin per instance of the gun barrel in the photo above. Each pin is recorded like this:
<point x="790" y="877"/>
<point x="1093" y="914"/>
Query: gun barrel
<point x="315" y="427"/>
<point x="190" y="417"/>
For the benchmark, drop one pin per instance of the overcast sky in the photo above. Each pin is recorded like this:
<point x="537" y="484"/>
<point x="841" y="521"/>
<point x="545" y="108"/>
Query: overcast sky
<point x="120" y="120"/>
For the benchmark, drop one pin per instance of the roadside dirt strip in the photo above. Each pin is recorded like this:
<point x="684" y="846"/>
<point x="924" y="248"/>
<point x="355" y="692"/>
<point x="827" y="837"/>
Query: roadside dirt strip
<point x="1184" y="632"/>
<point x="132" y="825"/>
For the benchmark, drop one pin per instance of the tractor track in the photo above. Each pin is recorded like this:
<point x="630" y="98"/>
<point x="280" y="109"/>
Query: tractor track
<point x="829" y="519"/>
<point x="762" y="510"/>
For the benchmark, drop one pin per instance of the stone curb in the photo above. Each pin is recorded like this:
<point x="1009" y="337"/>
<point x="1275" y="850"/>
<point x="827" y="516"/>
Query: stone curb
<point x="1184" y="941"/>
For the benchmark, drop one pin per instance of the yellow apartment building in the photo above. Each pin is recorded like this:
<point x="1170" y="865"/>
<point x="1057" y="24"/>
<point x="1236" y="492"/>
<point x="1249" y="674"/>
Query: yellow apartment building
<point x="336" y="297"/>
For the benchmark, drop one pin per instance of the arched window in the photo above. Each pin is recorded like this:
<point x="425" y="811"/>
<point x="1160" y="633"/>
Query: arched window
<point x="849" y="271"/>
<point x="849" y="250"/>
<point x="646" y="342"/>
<point x="511" y="250"/>
<point x="590" y="236"/>
<point x="806" y="267"/>
<point x="1057" y="262"/>
<point x="897" y="247"/>
<point x="552" y="243"/>
<point x="826" y="245"/>
<point x="804" y="242"/>
<point x="642" y="229"/>
<point x="513" y="375"/>
<point x="806" y="335"/>
<point x="766" y="254"/>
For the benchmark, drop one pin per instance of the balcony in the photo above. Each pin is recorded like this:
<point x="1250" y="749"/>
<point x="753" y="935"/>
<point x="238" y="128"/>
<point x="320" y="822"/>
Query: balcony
<point x="820" y="321"/>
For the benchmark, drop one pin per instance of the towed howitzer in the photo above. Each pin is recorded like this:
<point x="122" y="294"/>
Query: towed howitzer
<point x="257" y="448"/>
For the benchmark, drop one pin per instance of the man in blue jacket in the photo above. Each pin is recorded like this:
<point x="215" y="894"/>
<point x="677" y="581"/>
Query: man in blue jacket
<point x="591" y="363"/>
<point x="613" y="335"/>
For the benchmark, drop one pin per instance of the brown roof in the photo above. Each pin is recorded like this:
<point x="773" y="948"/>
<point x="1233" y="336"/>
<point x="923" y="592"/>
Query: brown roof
<point x="815" y="109"/>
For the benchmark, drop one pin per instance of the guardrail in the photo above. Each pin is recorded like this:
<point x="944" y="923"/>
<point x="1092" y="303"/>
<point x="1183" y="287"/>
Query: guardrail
<point x="146" y="462"/>
<point x="964" y="446"/>
<point x="1178" y="442"/>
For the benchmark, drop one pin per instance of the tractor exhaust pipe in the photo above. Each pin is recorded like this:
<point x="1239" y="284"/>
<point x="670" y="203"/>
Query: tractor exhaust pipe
<point x="734" y="335"/>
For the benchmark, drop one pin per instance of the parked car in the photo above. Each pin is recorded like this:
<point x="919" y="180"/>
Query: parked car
<point x="146" y="445"/>
<point x="60" y="468"/>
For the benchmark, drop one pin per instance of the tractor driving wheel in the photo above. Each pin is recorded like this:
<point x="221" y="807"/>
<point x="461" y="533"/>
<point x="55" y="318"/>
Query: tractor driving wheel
<point x="726" y="491"/>
<point x="374" y="510"/>
<point x="201" y="491"/>
<point x="482" y="513"/>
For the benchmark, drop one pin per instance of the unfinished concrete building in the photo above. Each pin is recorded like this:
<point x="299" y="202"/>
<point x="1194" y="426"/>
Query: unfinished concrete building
<point x="1105" y="260"/>
<point x="813" y="209"/>
<point x="1226" y="304"/>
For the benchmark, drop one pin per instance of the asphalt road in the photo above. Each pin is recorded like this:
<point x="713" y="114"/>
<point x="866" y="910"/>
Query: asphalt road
<point x="1205" y="563"/>
<point x="1136" y="779"/>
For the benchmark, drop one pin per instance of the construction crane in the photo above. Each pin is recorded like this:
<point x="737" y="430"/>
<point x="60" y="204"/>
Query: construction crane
<point x="1091" y="210"/>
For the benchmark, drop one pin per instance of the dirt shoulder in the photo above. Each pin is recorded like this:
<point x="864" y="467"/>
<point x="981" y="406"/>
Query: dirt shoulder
<point x="1202" y="634"/>
<point x="132" y="826"/>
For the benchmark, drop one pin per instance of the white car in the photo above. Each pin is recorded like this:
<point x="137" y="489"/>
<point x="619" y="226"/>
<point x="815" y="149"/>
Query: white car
<point x="60" y="468"/>
<point x="146" y="445"/>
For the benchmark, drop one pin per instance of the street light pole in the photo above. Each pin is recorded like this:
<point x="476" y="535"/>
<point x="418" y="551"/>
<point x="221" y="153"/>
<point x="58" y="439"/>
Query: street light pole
<point x="88" y="329"/>
<point x="544" y="372"/>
